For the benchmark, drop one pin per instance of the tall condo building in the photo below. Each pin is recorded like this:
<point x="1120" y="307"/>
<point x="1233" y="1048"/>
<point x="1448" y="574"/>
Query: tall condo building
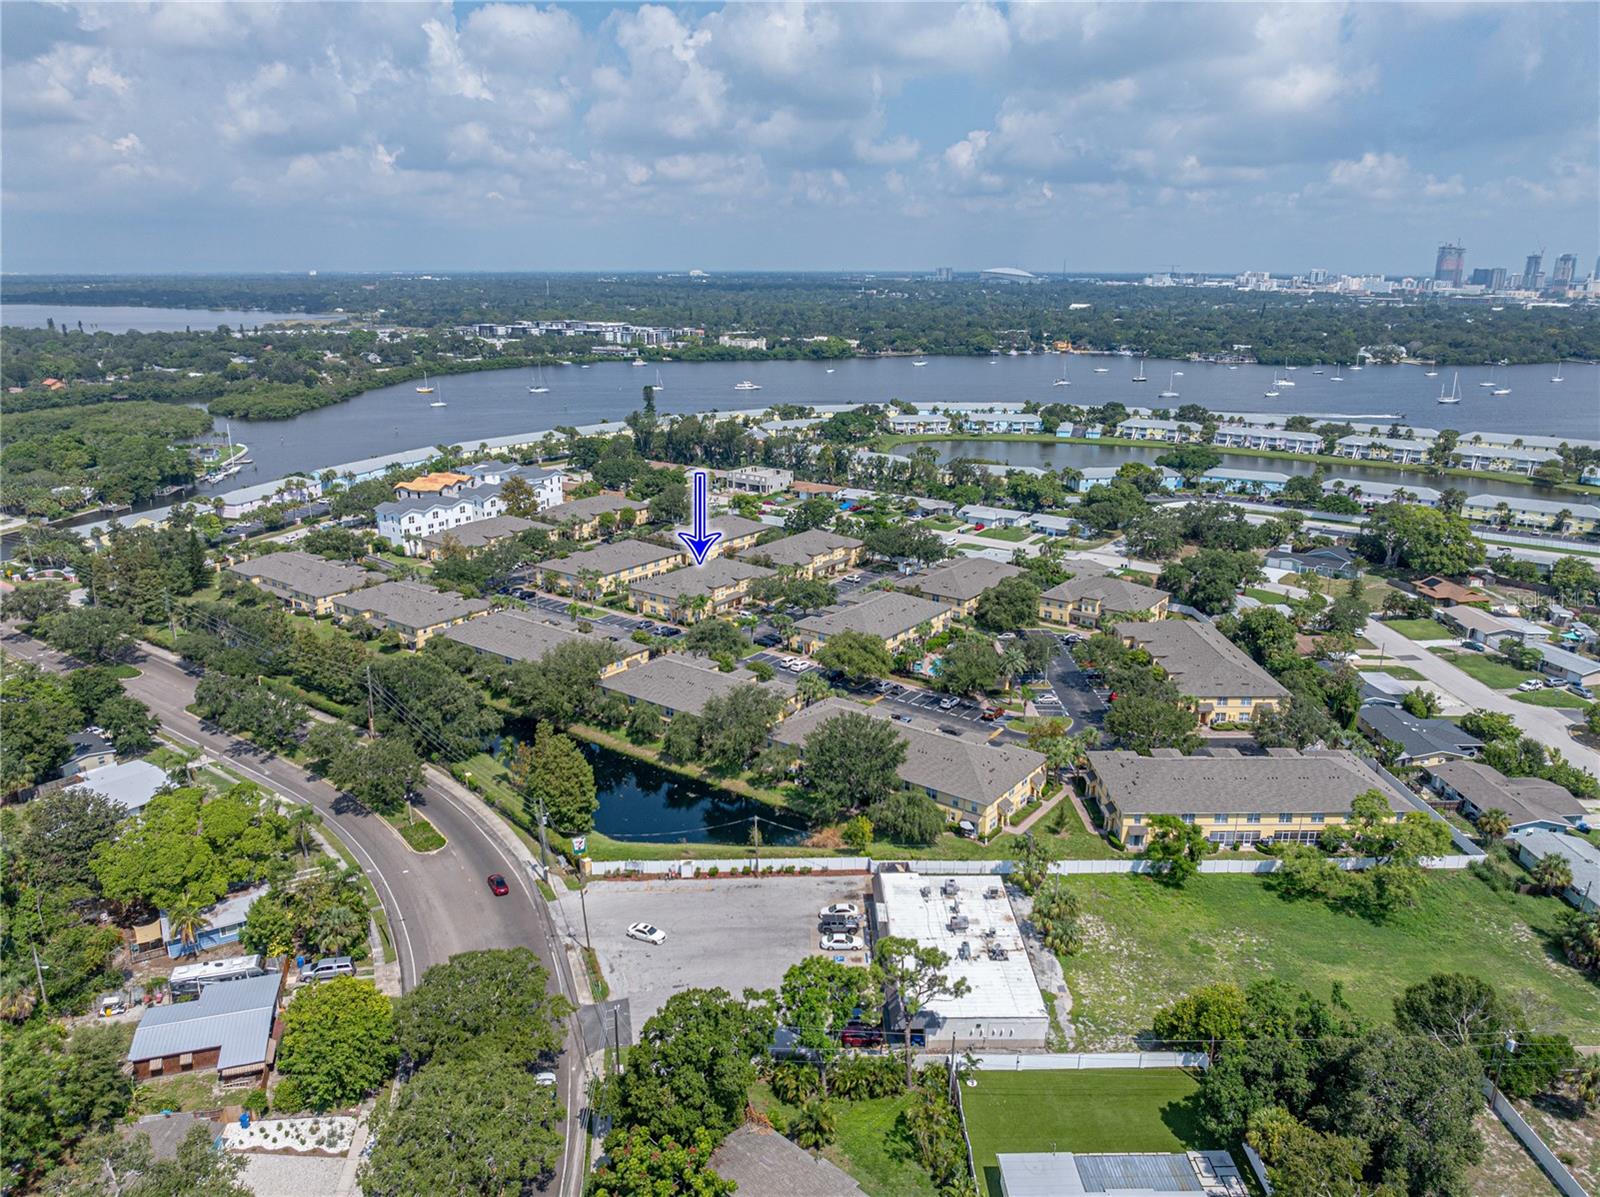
<point x="1533" y="272"/>
<point x="1450" y="264"/>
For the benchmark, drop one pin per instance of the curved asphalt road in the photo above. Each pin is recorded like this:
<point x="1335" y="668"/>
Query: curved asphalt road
<point x="438" y="904"/>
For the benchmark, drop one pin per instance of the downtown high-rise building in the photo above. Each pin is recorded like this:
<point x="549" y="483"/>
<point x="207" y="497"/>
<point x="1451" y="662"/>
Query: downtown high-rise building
<point x="1449" y="266"/>
<point x="1533" y="272"/>
<point x="1566" y="271"/>
<point x="1492" y="278"/>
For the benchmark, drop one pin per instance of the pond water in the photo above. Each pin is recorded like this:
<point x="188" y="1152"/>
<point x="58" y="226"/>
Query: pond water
<point x="640" y="802"/>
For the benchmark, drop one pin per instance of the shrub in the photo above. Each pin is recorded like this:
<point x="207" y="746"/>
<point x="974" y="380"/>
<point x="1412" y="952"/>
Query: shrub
<point x="256" y="1102"/>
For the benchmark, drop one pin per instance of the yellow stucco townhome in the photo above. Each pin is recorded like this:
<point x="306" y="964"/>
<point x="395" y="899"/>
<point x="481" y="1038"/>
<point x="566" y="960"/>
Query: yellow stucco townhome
<point x="813" y="554"/>
<point x="981" y="785"/>
<point x="620" y="563"/>
<point x="514" y="636"/>
<point x="1227" y="686"/>
<point x="1286" y="796"/>
<point x="894" y="618"/>
<point x="738" y="534"/>
<point x="690" y="594"/>
<point x="1087" y="599"/>
<point x="417" y="612"/>
<point x="960" y="583"/>
<point x="580" y="519"/>
<point x="305" y="582"/>
<point x="1534" y="513"/>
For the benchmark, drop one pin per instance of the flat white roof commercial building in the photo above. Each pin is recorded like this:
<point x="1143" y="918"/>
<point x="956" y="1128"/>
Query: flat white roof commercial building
<point x="971" y="920"/>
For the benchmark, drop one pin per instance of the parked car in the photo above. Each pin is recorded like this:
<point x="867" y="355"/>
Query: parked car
<point x="498" y="886"/>
<point x="854" y="1036"/>
<point x="545" y="1078"/>
<point x="1474" y="646"/>
<point x="990" y="714"/>
<point x="770" y="640"/>
<point x="946" y="704"/>
<point x="1530" y="684"/>
<point x="1554" y="683"/>
<point x="645" y="933"/>
<point x="1047" y="699"/>
<point x="1581" y="690"/>
<point x="840" y="941"/>
<point x="950" y="731"/>
<point x="328" y="968"/>
<point x="900" y="717"/>
<point x="840" y="908"/>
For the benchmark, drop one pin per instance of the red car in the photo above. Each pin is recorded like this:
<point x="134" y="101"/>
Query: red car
<point x="861" y="1037"/>
<point x="498" y="886"/>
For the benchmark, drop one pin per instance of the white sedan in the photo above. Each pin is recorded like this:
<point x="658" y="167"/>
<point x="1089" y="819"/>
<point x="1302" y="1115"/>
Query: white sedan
<point x="840" y="910"/>
<point x="645" y="933"/>
<point x="841" y="942"/>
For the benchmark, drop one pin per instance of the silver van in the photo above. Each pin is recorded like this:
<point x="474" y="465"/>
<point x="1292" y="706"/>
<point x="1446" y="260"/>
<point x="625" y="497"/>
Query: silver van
<point x="327" y="968"/>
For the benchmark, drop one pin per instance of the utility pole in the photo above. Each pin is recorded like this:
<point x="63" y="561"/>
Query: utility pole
<point x="755" y="838"/>
<point x="544" y="846"/>
<point x="370" y="732"/>
<point x="38" y="971"/>
<point x="583" y="901"/>
<point x="172" y="620"/>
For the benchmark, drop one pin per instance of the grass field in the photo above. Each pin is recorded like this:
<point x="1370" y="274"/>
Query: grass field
<point x="419" y="834"/>
<point x="941" y="523"/>
<point x="1270" y="597"/>
<point x="1011" y="534"/>
<point x="1147" y="943"/>
<point x="870" y="1146"/>
<point x="1419" y="629"/>
<point x="1496" y="674"/>
<point x="1553" y="698"/>
<point x="1401" y="673"/>
<point x="1092" y="1110"/>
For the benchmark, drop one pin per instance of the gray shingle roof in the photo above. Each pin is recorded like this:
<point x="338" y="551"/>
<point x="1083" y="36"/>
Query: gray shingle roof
<point x="699" y="579"/>
<point x="411" y="604"/>
<point x="801" y="548"/>
<point x="732" y="527"/>
<point x="584" y="510"/>
<point x="886" y="615"/>
<point x="960" y="768"/>
<point x="478" y="533"/>
<point x="963" y="579"/>
<point x="235" y="1016"/>
<point x="1115" y="594"/>
<point x="759" y="1160"/>
<point x="304" y="573"/>
<point x="518" y="637"/>
<point x="1524" y="799"/>
<point x="1418" y="737"/>
<point x="1202" y="661"/>
<point x="675" y="684"/>
<point x="1285" y="781"/>
<point x="610" y="558"/>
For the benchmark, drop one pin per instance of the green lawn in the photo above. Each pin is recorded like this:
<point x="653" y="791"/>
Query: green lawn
<point x="1090" y="1110"/>
<point x="1486" y="669"/>
<point x="1147" y="943"/>
<point x="941" y="523"/>
<point x="419" y="834"/>
<point x="870" y="1146"/>
<point x="1553" y="698"/>
<point x="1419" y="629"/>
<point x="1270" y="597"/>
<point x="1011" y="534"/>
<point x="1402" y="673"/>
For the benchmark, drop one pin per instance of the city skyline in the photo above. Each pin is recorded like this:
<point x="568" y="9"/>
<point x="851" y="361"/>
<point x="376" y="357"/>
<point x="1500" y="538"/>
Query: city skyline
<point x="1129" y="139"/>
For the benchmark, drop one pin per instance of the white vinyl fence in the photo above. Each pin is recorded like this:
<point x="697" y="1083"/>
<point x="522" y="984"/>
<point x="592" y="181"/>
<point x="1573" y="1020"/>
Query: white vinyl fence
<point x="1529" y="1138"/>
<point x="807" y="865"/>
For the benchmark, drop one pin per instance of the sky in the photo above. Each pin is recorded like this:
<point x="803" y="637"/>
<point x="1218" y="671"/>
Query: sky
<point x="1115" y="137"/>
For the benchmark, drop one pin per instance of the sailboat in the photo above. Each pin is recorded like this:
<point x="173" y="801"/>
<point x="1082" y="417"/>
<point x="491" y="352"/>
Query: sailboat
<point x="1169" y="393"/>
<point x="1101" y="370"/>
<point x="437" y="402"/>
<point x="1498" y="391"/>
<point x="425" y="389"/>
<point x="1337" y="377"/>
<point x="537" y="387"/>
<point x="1139" y="377"/>
<point x="1272" y="392"/>
<point x="1431" y="371"/>
<point x="638" y="361"/>
<point x="1490" y="381"/>
<point x="1556" y="377"/>
<point x="1455" y="391"/>
<point x="1286" y="381"/>
<point x="830" y="368"/>
<point x="1063" y="381"/>
<point x="1317" y="369"/>
<point x="660" y="386"/>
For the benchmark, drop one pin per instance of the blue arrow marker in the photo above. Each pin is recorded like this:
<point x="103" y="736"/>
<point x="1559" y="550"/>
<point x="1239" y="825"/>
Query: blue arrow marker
<point x="700" y="540"/>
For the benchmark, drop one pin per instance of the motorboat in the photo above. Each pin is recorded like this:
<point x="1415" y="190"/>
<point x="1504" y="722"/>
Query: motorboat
<point x="746" y="385"/>
<point x="919" y="363"/>
<point x="1101" y="370"/>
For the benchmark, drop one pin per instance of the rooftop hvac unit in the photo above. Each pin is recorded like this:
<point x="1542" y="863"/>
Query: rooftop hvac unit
<point x="927" y="891"/>
<point x="965" y="953"/>
<point x="950" y="889"/>
<point x="994" y="891"/>
<point x="959" y="922"/>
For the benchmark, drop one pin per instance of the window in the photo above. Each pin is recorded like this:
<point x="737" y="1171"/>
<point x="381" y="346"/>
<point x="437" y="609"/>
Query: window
<point x="1219" y="818"/>
<point x="1317" y="818"/>
<point x="1252" y="818"/>
<point x="1286" y="818"/>
<point x="1187" y="818"/>
<point x="1137" y="819"/>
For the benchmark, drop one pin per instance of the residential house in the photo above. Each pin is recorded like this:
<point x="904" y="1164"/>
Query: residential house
<point x="1052" y="526"/>
<point x="1471" y="623"/>
<point x="1544" y="514"/>
<point x="992" y="517"/>
<point x="678" y="685"/>
<point x="1567" y="665"/>
<point x="1093" y="476"/>
<point x="1531" y="844"/>
<point x="1087" y="600"/>
<point x="1443" y="592"/>
<point x="961" y="582"/>
<point x="417" y="612"/>
<point x="991" y="423"/>
<point x="690" y="594"/>
<point x="1329" y="562"/>
<point x="1278" y="439"/>
<point x="1142" y="1174"/>
<point x="1373" y="494"/>
<point x="934" y="507"/>
<point x="1245" y="482"/>
<point x="1504" y="459"/>
<point x="441" y="482"/>
<point x="220" y="924"/>
<point x="579" y="519"/>
<point x="755" y="480"/>
<point x="435" y="503"/>
<point x="1227" y="686"/>
<point x="979" y="784"/>
<point x="919" y="424"/>
<point x="812" y="554"/>
<point x="1080" y="431"/>
<point x="478" y="534"/>
<point x="227" y="1031"/>
<point x="601" y="569"/>
<point x="513" y="637"/>
<point x="738" y="534"/>
<point x="88" y="751"/>
<point x="1527" y="801"/>
<point x="1284" y="796"/>
<point x="893" y="617"/>
<point x="305" y="582"/>
<point x="1172" y="432"/>
<point x="130" y="785"/>
<point x="1363" y="447"/>
<point x="1418" y="742"/>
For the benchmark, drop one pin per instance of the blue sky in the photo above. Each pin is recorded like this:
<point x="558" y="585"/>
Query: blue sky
<point x="772" y="136"/>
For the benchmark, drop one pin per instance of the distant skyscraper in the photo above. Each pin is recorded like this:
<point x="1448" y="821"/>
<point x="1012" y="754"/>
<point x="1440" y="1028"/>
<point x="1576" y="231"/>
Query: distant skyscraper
<point x="1492" y="277"/>
<point x="943" y="274"/>
<point x="1533" y="272"/>
<point x="1566" y="271"/>
<point x="1318" y="276"/>
<point x="1448" y="266"/>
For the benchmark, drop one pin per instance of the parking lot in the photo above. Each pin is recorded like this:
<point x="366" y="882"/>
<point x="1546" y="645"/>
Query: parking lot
<point x="551" y="605"/>
<point x="735" y="934"/>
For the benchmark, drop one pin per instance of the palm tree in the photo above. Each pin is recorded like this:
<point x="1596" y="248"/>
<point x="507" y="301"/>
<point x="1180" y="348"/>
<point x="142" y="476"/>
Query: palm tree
<point x="186" y="917"/>
<point x="1502" y="513"/>
<point x="1585" y="1082"/>
<point x="1013" y="661"/>
<point x="1559" y="524"/>
<point x="814" y="1126"/>
<point x="338" y="930"/>
<point x="1552" y="873"/>
<point x="1494" y="824"/>
<point x="301" y="820"/>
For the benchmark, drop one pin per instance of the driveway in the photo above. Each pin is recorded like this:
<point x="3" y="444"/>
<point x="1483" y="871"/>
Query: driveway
<point x="1548" y="725"/>
<point x="1078" y="697"/>
<point x="735" y="934"/>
